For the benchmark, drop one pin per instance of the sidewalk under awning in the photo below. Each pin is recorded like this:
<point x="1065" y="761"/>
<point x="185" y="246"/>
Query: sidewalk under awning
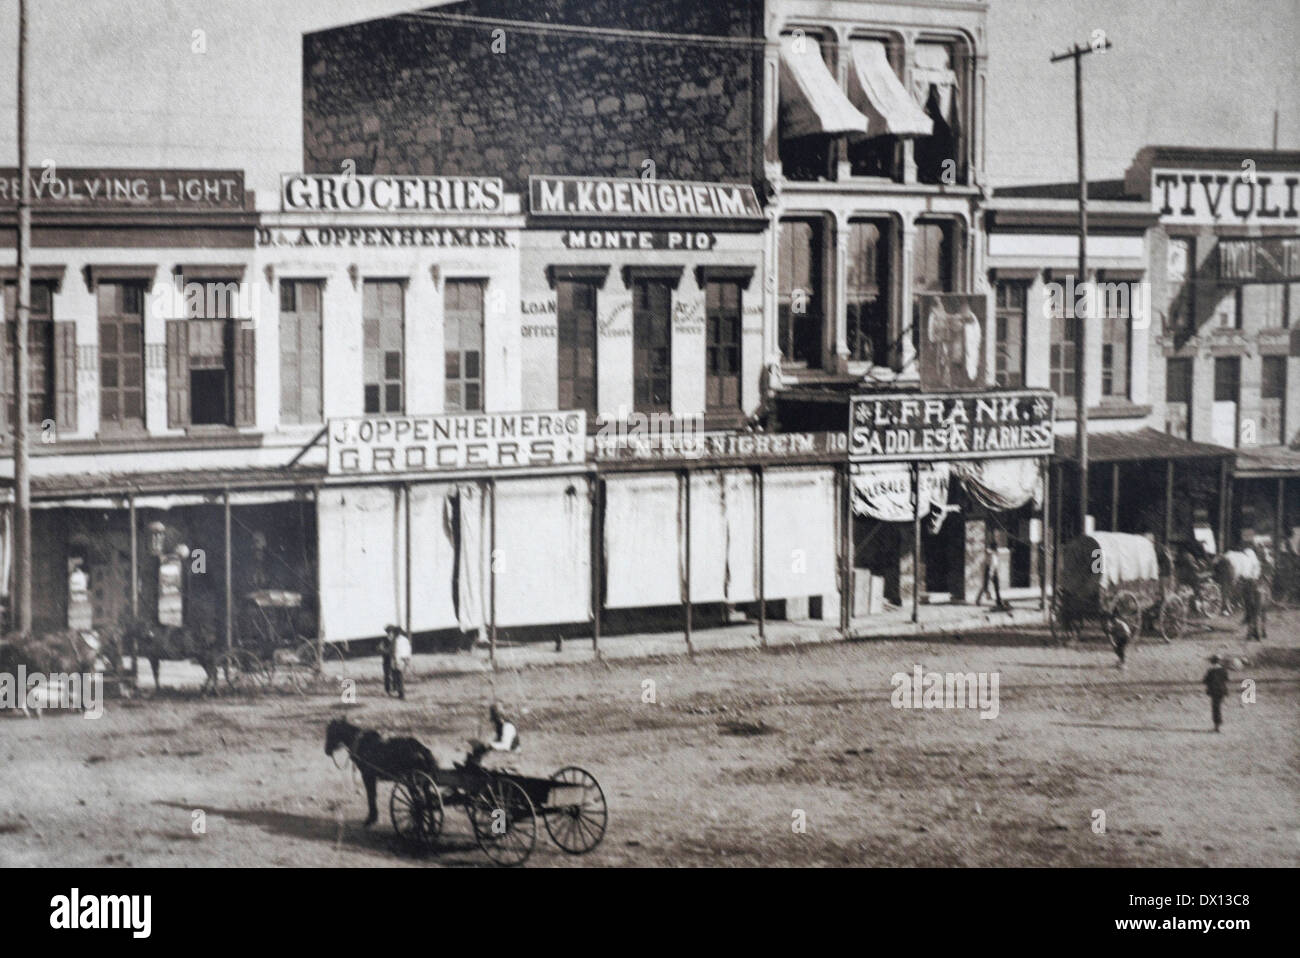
<point x="880" y="94"/>
<point x="811" y="99"/>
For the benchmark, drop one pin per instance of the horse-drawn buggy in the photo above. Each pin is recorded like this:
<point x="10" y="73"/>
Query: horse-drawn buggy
<point x="271" y="643"/>
<point x="503" y="807"/>
<point x="1113" y="575"/>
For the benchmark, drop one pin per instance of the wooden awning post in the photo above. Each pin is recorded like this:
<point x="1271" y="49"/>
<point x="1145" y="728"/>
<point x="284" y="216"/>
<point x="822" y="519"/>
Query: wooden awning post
<point x="406" y="503"/>
<point x="492" y="576"/>
<point x="1114" y="496"/>
<point x="916" y="541"/>
<point x="1043" y="536"/>
<point x="686" y="579"/>
<point x="846" y="549"/>
<point x="1223" y="506"/>
<point x="230" y="586"/>
<point x="759" y="477"/>
<point x="1169" y="501"/>
<point x="597" y="559"/>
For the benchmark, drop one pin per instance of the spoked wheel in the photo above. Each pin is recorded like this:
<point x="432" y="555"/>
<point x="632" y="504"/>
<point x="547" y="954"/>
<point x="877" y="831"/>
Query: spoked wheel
<point x="1173" y="618"/>
<point x="416" y="810"/>
<point x="310" y="673"/>
<point x="577" y="828"/>
<point x="242" y="670"/>
<point x="505" y="823"/>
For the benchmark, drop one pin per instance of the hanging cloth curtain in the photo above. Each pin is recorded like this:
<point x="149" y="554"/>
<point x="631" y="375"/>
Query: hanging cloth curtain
<point x="1001" y="484"/>
<point x="935" y="81"/>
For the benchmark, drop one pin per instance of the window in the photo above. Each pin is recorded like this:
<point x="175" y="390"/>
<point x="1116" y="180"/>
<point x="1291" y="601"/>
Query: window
<point x="934" y="259"/>
<point x="121" y="356"/>
<point x="383" y="329"/>
<point x="1180" y="272"/>
<point x="652" y="346"/>
<point x="1117" y="311"/>
<point x="722" y="306"/>
<point x="463" y="345"/>
<point x="869" y="328"/>
<point x="300" y="352"/>
<point x="1272" y="400"/>
<point x="1227" y="310"/>
<point x="879" y="154"/>
<point x="1064" y="352"/>
<point x="1178" y="397"/>
<point x="937" y="87"/>
<point x="1267" y="304"/>
<point x="1227" y="392"/>
<point x="800" y="301"/>
<point x="40" y="352"/>
<point x="806" y="157"/>
<point x="1012" y="319"/>
<point x="576" y="356"/>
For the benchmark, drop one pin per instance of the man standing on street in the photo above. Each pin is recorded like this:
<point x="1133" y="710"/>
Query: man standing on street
<point x="1216" y="687"/>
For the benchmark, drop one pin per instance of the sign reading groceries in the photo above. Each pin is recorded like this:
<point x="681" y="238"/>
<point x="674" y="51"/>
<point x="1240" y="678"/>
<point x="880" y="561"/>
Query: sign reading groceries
<point x="905" y="427"/>
<point x="356" y="193"/>
<point x="454" y="442"/>
<point x="608" y="197"/>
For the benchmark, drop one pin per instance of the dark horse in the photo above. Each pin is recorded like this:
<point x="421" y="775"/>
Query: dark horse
<point x="158" y="642"/>
<point x="378" y="758"/>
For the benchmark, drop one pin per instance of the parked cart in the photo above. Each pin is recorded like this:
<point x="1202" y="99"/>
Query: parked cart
<point x="1114" y="575"/>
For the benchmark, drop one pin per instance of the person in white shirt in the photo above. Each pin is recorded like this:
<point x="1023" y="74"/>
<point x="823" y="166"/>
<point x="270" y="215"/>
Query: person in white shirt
<point x="505" y="737"/>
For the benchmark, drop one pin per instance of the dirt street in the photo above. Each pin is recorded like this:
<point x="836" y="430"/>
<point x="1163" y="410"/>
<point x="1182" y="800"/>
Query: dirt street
<point x="736" y="751"/>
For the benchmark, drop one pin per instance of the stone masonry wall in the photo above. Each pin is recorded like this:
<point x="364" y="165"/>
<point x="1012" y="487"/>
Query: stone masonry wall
<point x="399" y="95"/>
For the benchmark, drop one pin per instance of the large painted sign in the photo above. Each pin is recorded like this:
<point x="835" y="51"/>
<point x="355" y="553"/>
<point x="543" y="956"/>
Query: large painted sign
<point x="1243" y="195"/>
<point x="952" y="329"/>
<point x="1261" y="260"/>
<point x="355" y="193"/>
<point x="906" y="427"/>
<point x="584" y="196"/>
<point x="456" y="442"/>
<point x="59" y="187"/>
<point x="742" y="448"/>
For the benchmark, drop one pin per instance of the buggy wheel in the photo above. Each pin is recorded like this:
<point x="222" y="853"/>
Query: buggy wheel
<point x="241" y="670"/>
<point x="1173" y="618"/>
<point x="311" y="673"/>
<point x="577" y="828"/>
<point x="416" y="810"/>
<point x="505" y="823"/>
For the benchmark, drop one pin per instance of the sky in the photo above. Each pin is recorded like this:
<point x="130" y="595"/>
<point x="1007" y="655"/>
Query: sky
<point x="118" y="83"/>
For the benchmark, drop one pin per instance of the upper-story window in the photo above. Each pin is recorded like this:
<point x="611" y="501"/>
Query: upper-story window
<point x="801" y="294"/>
<point x="210" y="357"/>
<point x="300" y="351"/>
<point x="40" y="352"/>
<point x="1117" y="310"/>
<point x="875" y="87"/>
<point x="463" y="345"/>
<point x="1012" y="325"/>
<point x="813" y="109"/>
<point x="937" y="86"/>
<point x="383" y="321"/>
<point x="869" y="326"/>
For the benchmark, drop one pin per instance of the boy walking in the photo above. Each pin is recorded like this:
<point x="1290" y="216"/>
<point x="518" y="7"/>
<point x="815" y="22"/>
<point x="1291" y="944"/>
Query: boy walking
<point x="1216" y="687"/>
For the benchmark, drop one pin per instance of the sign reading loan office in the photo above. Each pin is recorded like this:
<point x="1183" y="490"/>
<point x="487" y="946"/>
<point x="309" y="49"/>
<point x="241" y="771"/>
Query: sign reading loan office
<point x="448" y="443"/>
<point x="586" y="196"/>
<point x="906" y="427"/>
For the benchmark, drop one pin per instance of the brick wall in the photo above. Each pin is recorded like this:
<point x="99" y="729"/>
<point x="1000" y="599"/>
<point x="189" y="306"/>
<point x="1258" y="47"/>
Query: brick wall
<point x="404" y="96"/>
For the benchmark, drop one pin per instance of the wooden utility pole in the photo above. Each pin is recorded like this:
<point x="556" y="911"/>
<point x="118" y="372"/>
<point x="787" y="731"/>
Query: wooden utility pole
<point x="22" y="593"/>
<point x="1077" y="53"/>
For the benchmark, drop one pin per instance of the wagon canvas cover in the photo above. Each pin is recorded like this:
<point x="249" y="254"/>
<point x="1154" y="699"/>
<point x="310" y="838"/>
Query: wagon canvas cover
<point x="1097" y="566"/>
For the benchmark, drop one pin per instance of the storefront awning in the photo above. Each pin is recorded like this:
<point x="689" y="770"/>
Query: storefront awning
<point x="1138" y="445"/>
<point x="1276" y="463"/>
<point x="811" y="99"/>
<point x="163" y="490"/>
<point x="877" y="91"/>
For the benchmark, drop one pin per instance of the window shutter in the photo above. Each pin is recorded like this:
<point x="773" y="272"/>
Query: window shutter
<point x="178" y="373"/>
<point x="65" y="377"/>
<point x="7" y="377"/>
<point x="245" y="392"/>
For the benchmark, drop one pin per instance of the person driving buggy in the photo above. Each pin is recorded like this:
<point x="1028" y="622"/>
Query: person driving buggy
<point x="505" y="738"/>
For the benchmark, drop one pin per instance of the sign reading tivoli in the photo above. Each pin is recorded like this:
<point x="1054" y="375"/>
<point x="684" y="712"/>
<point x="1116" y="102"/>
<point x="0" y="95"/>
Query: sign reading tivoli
<point x="909" y="427"/>
<point x="455" y="442"/>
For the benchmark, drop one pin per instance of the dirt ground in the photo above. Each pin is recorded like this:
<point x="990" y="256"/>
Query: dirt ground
<point x="736" y="750"/>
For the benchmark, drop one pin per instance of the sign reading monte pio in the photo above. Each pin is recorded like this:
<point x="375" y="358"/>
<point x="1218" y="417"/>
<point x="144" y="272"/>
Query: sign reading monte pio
<point x="456" y="442"/>
<point x="584" y="196"/>
<point x="907" y="427"/>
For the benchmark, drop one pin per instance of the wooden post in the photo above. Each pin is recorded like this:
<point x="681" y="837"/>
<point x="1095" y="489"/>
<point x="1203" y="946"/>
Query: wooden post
<point x="21" y="599"/>
<point x="230" y="594"/>
<point x="916" y="541"/>
<point x="1059" y="516"/>
<point x="1169" y="501"/>
<point x="686" y="584"/>
<point x="1043" y="539"/>
<point x="492" y="576"/>
<point x="597" y="558"/>
<point x="1114" y="497"/>
<point x="846" y="550"/>
<point x="1279" y="520"/>
<point x="762" y="557"/>
<point x="1223" y="506"/>
<point x="406" y="503"/>
<point x="135" y="584"/>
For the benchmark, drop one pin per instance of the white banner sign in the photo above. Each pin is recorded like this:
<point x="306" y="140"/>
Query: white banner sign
<point x="885" y="492"/>
<point x="454" y="442"/>
<point x="1242" y="196"/>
